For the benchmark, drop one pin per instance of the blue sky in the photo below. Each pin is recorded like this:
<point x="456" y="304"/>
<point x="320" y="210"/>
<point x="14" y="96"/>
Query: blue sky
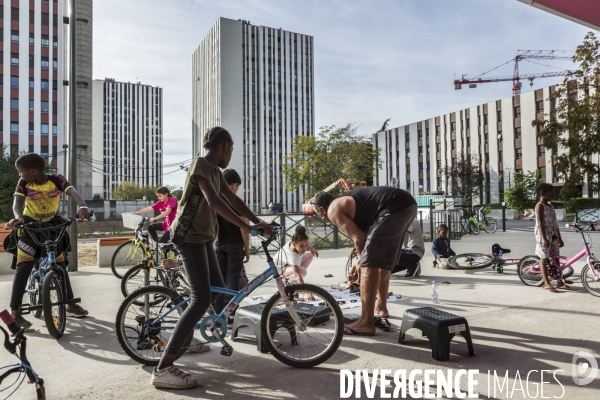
<point x="373" y="59"/>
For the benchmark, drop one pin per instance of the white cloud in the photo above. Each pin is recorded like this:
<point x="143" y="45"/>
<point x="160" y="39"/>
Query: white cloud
<point x="373" y="59"/>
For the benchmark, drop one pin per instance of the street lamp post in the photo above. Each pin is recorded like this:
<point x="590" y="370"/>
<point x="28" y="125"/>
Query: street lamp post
<point x="158" y="177"/>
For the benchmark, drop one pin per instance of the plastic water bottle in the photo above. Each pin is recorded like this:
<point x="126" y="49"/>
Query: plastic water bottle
<point x="434" y="293"/>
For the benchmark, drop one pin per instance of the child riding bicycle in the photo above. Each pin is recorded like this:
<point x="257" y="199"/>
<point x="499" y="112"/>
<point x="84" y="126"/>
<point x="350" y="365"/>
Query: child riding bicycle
<point x="36" y="199"/>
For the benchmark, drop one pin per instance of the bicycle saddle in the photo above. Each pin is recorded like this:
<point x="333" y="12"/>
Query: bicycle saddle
<point x="496" y="249"/>
<point x="166" y="246"/>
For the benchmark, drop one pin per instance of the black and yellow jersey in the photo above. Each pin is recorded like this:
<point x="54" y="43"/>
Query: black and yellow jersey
<point x="42" y="199"/>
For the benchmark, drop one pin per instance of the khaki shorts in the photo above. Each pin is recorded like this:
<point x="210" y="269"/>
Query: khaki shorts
<point x="384" y="239"/>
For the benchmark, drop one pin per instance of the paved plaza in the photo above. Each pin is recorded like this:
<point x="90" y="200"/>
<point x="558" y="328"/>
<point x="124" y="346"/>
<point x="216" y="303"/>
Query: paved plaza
<point x="514" y="328"/>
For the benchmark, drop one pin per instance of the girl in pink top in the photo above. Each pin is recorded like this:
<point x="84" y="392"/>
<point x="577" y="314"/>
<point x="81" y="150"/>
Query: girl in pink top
<point x="167" y="206"/>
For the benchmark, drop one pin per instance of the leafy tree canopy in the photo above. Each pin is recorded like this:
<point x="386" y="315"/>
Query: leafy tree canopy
<point x="334" y="153"/>
<point x="9" y="176"/>
<point x="132" y="191"/>
<point x="518" y="196"/>
<point x="573" y="123"/>
<point x="466" y="177"/>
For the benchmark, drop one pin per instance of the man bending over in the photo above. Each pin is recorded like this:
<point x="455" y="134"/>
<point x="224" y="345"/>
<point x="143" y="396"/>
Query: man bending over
<point x="375" y="218"/>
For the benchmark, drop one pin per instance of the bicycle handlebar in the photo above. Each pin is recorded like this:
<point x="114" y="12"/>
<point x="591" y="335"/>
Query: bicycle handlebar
<point x="259" y="232"/>
<point x="33" y="227"/>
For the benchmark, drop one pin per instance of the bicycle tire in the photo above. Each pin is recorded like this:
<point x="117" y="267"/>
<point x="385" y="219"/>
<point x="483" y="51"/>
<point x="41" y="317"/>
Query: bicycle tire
<point x="53" y="304"/>
<point x="587" y="279"/>
<point x="145" y="339"/>
<point x="281" y="344"/>
<point x="473" y="228"/>
<point x="134" y="278"/>
<point x="490" y="225"/>
<point x="468" y="261"/>
<point x="349" y="263"/>
<point x="122" y="260"/>
<point x="524" y="264"/>
<point x="35" y="298"/>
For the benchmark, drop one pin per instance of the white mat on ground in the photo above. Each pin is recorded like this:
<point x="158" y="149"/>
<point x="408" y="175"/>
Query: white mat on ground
<point x="344" y="298"/>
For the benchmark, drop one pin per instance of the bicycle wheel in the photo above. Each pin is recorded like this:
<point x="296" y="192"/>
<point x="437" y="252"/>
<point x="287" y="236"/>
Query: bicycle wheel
<point x="490" y="225"/>
<point x="588" y="281"/>
<point x="136" y="276"/>
<point x="314" y="342"/>
<point x="473" y="228"/>
<point x="523" y="267"/>
<point x="349" y="263"/>
<point x="126" y="256"/>
<point x="53" y="304"/>
<point x="35" y="292"/>
<point x="470" y="261"/>
<point x="138" y="336"/>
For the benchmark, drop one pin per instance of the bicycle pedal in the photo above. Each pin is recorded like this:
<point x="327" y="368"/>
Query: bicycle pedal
<point x="226" y="351"/>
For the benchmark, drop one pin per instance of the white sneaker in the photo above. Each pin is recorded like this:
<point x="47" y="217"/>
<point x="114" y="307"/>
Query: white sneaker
<point x="196" y="346"/>
<point x="172" y="378"/>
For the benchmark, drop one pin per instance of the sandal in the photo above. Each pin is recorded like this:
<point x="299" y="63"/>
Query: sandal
<point x="551" y="289"/>
<point x="563" y="286"/>
<point x="383" y="323"/>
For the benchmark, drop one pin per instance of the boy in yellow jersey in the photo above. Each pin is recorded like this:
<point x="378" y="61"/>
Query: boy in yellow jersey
<point x="37" y="198"/>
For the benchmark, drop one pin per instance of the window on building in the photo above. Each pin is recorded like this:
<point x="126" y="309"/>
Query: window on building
<point x="54" y="108"/>
<point x="31" y="38"/>
<point x="468" y="123"/>
<point x="517" y="133"/>
<point x="45" y="107"/>
<point x="14" y="58"/>
<point x="407" y="137"/>
<point x="518" y="154"/>
<point x="45" y="84"/>
<point x="517" y="112"/>
<point x="453" y="126"/>
<point x="31" y="84"/>
<point x="45" y="41"/>
<point x="485" y="119"/>
<point x="14" y="81"/>
<point x="54" y="130"/>
<point x="44" y="130"/>
<point x="14" y="36"/>
<point x="499" y="115"/>
<point x="14" y="104"/>
<point x="54" y="42"/>
<point x="468" y="142"/>
<point x="454" y="145"/>
<point x="55" y="63"/>
<point x="31" y="129"/>
<point x="31" y="105"/>
<point x="499" y="155"/>
<point x="14" y="127"/>
<point x="437" y="130"/>
<point x="45" y="63"/>
<point x="541" y="150"/>
<point x="486" y="138"/>
<point x="539" y="106"/>
<point x="45" y="19"/>
<point x="14" y="14"/>
<point x="487" y="157"/>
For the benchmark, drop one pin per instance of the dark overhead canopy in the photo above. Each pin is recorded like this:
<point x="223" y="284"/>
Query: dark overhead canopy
<point x="584" y="12"/>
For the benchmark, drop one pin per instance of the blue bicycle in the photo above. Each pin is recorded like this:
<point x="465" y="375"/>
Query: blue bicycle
<point x="24" y="367"/>
<point x="47" y="286"/>
<point x="301" y="325"/>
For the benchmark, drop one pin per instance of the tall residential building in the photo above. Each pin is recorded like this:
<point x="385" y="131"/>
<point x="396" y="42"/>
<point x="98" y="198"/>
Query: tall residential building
<point x="127" y="136"/>
<point x="34" y="57"/>
<point x="256" y="82"/>
<point x="414" y="156"/>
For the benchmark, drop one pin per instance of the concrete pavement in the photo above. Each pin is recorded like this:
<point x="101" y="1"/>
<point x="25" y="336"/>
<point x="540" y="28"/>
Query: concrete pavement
<point x="514" y="328"/>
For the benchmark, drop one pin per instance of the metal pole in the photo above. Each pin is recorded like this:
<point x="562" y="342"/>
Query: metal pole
<point x="64" y="172"/>
<point x="72" y="206"/>
<point x="431" y="219"/>
<point x="503" y="217"/>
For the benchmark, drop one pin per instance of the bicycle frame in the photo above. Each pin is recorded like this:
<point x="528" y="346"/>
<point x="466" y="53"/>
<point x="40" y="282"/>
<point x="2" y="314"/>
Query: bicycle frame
<point x="270" y="272"/>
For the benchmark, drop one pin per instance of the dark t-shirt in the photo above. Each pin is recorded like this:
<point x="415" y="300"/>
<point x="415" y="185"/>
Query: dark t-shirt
<point x="375" y="201"/>
<point x="228" y="233"/>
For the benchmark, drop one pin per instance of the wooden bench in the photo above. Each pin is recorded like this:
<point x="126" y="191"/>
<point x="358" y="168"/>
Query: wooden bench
<point x="113" y="241"/>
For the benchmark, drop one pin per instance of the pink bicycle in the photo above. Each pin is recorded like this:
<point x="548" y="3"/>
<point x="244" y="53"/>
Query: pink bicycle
<point x="531" y="275"/>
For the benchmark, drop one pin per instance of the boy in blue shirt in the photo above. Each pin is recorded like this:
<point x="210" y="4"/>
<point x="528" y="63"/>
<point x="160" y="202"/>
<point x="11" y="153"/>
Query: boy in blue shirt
<point x="440" y="247"/>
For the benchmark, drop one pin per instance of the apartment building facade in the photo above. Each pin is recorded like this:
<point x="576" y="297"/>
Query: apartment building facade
<point x="34" y="57"/>
<point x="256" y="82"/>
<point x="127" y="136"/>
<point x="414" y="156"/>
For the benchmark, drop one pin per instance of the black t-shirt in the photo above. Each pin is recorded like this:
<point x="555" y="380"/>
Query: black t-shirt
<point x="228" y="233"/>
<point x="375" y="200"/>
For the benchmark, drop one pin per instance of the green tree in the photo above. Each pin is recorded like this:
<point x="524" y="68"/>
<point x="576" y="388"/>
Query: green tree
<point x="176" y="191"/>
<point x="334" y="153"/>
<point x="466" y="177"/>
<point x="132" y="191"/>
<point x="573" y="123"/>
<point x="518" y="196"/>
<point x="9" y="176"/>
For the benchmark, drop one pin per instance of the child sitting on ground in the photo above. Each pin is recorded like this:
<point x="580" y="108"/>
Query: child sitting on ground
<point x="440" y="247"/>
<point x="293" y="259"/>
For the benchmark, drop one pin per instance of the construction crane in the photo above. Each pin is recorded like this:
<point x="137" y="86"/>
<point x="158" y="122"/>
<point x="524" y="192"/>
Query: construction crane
<point x="516" y="78"/>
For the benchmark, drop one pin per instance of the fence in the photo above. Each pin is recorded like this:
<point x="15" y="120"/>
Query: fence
<point x="452" y="215"/>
